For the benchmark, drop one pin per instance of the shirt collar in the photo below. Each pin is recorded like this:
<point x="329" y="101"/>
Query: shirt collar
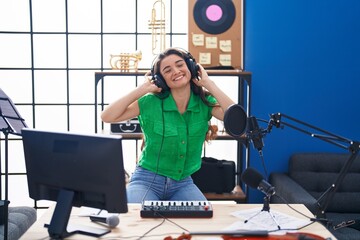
<point x="193" y="105"/>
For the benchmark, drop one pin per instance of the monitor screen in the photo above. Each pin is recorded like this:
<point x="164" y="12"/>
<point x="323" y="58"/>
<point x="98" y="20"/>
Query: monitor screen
<point x="75" y="170"/>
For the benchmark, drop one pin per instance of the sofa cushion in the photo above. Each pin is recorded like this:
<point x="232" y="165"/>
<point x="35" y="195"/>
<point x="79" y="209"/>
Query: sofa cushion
<point x="315" y="172"/>
<point x="20" y="220"/>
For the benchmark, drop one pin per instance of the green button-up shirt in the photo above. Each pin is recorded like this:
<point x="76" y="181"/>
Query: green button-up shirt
<point x="173" y="141"/>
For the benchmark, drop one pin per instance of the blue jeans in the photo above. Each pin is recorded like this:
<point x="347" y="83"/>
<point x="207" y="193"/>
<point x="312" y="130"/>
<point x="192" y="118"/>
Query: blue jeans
<point x="146" y="185"/>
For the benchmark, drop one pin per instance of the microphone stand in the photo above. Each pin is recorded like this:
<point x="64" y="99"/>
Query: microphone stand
<point x="266" y="208"/>
<point x="352" y="146"/>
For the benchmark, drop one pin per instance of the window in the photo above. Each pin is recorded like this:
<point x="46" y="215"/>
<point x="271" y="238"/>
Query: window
<point x="49" y="53"/>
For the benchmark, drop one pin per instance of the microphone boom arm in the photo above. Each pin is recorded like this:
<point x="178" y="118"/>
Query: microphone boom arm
<point x="328" y="137"/>
<point x="352" y="146"/>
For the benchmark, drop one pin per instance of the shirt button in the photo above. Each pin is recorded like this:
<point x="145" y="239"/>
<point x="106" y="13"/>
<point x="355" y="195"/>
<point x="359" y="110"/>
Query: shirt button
<point x="183" y="142"/>
<point x="181" y="156"/>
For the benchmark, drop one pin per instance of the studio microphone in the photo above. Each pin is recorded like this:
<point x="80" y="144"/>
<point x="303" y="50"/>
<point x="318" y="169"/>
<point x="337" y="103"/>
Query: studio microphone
<point x="255" y="180"/>
<point x="255" y="133"/>
<point x="111" y="220"/>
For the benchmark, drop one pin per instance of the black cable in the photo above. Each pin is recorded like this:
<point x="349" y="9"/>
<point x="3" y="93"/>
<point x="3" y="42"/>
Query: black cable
<point x="160" y="150"/>
<point x="264" y="165"/>
<point x="151" y="229"/>
<point x="157" y="167"/>
<point x="164" y="219"/>
<point x="312" y="219"/>
<point x="167" y="219"/>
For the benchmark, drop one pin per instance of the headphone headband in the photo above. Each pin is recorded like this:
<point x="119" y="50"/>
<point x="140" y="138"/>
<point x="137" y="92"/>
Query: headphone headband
<point x="185" y="54"/>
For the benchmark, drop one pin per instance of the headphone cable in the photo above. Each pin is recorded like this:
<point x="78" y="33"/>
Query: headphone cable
<point x="159" y="153"/>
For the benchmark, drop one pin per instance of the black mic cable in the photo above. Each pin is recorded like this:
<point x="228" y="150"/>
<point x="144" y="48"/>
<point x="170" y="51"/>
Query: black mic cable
<point x="255" y="134"/>
<point x="323" y="221"/>
<point x="255" y="180"/>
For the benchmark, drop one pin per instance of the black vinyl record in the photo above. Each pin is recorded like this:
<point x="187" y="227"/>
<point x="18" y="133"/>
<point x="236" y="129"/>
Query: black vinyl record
<point x="214" y="16"/>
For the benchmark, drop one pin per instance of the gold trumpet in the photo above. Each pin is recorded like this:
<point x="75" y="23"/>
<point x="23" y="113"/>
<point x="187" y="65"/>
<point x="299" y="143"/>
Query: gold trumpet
<point x="125" y="61"/>
<point x="157" y="27"/>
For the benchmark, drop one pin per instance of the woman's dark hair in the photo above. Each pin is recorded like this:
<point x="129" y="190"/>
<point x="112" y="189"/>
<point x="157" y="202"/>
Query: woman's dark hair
<point x="197" y="90"/>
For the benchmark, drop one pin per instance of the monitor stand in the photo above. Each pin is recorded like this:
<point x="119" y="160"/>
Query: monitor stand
<point x="58" y="227"/>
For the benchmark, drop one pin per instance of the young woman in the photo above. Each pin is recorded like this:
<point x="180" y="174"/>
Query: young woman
<point x="174" y="106"/>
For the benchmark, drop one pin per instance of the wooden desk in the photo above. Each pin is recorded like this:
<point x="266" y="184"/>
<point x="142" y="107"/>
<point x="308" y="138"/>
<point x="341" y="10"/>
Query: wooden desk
<point x="132" y="225"/>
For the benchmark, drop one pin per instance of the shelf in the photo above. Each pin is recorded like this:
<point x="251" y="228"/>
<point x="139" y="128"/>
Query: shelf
<point x="236" y="195"/>
<point x="244" y="99"/>
<point x="138" y="136"/>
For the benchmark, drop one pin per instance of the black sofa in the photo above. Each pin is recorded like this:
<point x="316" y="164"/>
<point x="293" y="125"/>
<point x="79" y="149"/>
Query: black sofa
<point x="309" y="176"/>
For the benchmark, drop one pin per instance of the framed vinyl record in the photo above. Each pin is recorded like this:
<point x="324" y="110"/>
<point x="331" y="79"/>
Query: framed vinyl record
<point x="214" y="16"/>
<point x="216" y="32"/>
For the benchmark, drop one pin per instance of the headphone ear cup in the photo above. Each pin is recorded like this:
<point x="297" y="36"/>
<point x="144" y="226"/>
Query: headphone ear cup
<point x="192" y="66"/>
<point x="160" y="82"/>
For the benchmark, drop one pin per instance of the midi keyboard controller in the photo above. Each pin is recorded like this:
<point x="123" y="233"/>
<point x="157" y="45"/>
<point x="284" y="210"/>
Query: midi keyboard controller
<point x="176" y="209"/>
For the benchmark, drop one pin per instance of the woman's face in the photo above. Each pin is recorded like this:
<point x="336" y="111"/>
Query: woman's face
<point x="175" y="71"/>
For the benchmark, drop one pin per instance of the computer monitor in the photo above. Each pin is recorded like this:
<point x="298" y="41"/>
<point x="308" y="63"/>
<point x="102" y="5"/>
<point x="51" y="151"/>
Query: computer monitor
<point x="75" y="170"/>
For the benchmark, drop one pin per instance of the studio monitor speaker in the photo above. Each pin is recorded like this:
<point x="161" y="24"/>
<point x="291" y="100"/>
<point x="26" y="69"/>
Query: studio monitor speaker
<point x="216" y="33"/>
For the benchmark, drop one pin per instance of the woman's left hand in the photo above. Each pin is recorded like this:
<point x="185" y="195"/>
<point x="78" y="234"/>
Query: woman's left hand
<point x="203" y="79"/>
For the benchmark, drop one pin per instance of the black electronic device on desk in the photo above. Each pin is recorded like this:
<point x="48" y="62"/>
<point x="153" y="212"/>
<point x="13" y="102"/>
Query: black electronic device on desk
<point x="176" y="209"/>
<point x="75" y="169"/>
<point x="128" y="127"/>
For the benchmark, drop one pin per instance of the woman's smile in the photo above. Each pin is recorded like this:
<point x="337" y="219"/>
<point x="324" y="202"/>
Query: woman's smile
<point x="178" y="78"/>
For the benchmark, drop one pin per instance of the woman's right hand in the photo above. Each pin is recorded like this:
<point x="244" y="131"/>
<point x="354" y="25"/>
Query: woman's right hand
<point x="149" y="84"/>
